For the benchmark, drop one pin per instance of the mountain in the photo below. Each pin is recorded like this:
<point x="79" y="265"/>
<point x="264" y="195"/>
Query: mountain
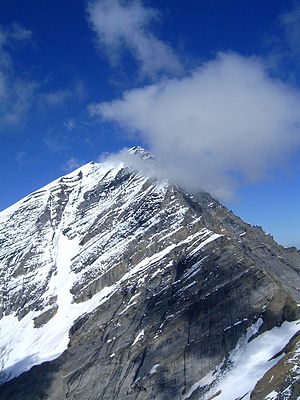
<point x="118" y="285"/>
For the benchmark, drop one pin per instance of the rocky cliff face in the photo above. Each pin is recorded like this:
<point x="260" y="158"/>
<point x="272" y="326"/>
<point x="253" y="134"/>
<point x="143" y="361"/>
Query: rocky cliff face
<point x="116" y="285"/>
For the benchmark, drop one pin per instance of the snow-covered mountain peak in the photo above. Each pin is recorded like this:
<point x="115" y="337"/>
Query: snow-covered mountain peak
<point x="141" y="152"/>
<point x="119" y="265"/>
<point x="63" y="250"/>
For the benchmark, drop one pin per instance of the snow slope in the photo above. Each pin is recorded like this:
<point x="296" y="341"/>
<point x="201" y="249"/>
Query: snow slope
<point x="247" y="363"/>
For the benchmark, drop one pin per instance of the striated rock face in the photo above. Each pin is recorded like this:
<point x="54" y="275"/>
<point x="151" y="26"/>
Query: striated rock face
<point x="127" y="287"/>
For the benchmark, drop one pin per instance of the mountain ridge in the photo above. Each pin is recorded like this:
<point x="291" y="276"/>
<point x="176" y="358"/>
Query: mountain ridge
<point x="104" y="243"/>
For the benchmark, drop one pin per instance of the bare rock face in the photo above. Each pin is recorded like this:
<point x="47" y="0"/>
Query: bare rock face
<point x="116" y="285"/>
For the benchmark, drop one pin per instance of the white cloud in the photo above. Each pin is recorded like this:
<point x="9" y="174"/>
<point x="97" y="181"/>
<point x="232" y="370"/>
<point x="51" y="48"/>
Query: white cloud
<point x="119" y="24"/>
<point x="228" y="121"/>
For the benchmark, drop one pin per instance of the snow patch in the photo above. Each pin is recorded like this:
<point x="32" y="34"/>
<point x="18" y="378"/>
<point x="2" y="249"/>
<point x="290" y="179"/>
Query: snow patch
<point x="154" y="369"/>
<point x="139" y="337"/>
<point x="248" y="363"/>
<point x="272" y="396"/>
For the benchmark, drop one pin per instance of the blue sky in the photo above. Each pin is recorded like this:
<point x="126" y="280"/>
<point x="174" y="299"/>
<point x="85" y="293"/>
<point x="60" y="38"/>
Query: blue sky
<point x="211" y="87"/>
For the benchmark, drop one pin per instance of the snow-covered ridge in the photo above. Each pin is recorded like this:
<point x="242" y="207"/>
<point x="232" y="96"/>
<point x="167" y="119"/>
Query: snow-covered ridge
<point x="38" y="193"/>
<point x="89" y="170"/>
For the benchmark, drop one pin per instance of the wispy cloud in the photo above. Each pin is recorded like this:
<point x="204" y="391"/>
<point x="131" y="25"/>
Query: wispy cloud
<point x="18" y="101"/>
<point x="282" y="50"/>
<point x="57" y="98"/>
<point x="227" y="121"/>
<point x="56" y="141"/>
<point x="123" y="25"/>
<point x="70" y="124"/>
<point x="75" y="92"/>
<point x="290" y="22"/>
<point x="19" y="33"/>
<point x="21" y="157"/>
<point x="72" y="164"/>
<point x="16" y="93"/>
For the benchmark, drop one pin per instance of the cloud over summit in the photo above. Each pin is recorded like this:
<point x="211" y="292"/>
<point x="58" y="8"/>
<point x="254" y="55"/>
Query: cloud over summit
<point x="227" y="121"/>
